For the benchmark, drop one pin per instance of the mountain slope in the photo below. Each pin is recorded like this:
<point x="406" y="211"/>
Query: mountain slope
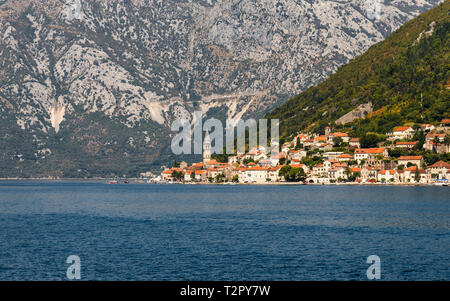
<point x="96" y="95"/>
<point x="405" y="78"/>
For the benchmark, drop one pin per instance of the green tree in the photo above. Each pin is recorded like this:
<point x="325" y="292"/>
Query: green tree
<point x="369" y="140"/>
<point x="298" y="144"/>
<point x="311" y="161"/>
<point x="221" y="158"/>
<point x="178" y="175"/>
<point x="220" y="177"/>
<point x="419" y="136"/>
<point x="249" y="160"/>
<point x="417" y="175"/>
<point x="337" y="141"/>
<point x="447" y="139"/>
<point x="284" y="171"/>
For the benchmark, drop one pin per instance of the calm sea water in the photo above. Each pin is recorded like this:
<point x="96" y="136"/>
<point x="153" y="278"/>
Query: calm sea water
<point x="195" y="232"/>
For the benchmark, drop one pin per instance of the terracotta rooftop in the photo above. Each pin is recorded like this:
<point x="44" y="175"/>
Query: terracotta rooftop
<point x="410" y="158"/>
<point x="369" y="150"/>
<point x="401" y="128"/>
<point x="345" y="156"/>
<point x="440" y="164"/>
<point x="407" y="143"/>
<point x="339" y="134"/>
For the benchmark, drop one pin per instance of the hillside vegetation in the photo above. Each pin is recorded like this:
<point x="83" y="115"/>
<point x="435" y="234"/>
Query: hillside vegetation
<point x="406" y="78"/>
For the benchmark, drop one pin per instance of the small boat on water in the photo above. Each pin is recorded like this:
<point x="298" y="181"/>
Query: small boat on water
<point x="441" y="182"/>
<point x="113" y="182"/>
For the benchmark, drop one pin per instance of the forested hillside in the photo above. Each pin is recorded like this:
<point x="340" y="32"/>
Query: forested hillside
<point x="405" y="78"/>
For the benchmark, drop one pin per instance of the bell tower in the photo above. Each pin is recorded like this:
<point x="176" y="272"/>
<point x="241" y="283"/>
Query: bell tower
<point x="206" y="148"/>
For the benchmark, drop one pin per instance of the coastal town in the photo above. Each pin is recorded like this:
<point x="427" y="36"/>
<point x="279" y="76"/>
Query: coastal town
<point x="408" y="155"/>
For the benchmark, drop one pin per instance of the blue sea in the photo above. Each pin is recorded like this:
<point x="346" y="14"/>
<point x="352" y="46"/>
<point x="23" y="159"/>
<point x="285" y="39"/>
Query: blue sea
<point x="207" y="232"/>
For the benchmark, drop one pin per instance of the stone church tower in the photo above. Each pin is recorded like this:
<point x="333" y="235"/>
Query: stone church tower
<point x="206" y="148"/>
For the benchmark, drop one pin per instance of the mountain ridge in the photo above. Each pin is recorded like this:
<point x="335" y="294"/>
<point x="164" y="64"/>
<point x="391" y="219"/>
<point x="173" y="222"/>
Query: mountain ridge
<point x="96" y="96"/>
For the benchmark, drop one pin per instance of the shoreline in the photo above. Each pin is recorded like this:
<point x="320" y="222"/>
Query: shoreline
<point x="133" y="181"/>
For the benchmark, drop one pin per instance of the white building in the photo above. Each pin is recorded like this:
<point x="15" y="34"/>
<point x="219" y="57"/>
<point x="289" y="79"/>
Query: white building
<point x="370" y="154"/>
<point x="439" y="170"/>
<point x="388" y="176"/>
<point x="256" y="174"/>
<point x="401" y="132"/>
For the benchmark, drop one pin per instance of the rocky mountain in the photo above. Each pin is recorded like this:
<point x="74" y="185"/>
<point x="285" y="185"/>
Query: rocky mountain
<point x="90" y="88"/>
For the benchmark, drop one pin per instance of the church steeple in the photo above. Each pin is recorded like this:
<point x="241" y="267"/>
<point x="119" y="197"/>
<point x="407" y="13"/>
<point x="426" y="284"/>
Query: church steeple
<point x="206" y="148"/>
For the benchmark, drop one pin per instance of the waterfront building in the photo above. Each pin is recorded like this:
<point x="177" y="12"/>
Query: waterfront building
<point x="388" y="176"/>
<point x="439" y="170"/>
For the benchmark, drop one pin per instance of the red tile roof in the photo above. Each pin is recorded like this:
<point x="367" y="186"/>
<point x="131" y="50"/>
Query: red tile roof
<point x="297" y="165"/>
<point x="369" y="150"/>
<point x="339" y="165"/>
<point x="340" y="134"/>
<point x="411" y="168"/>
<point x="410" y="158"/>
<point x="440" y="164"/>
<point x="343" y="156"/>
<point x="401" y="128"/>
<point x="276" y="168"/>
<point x="211" y="162"/>
<point x="407" y="143"/>
<point x="383" y="172"/>
<point x="256" y="168"/>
